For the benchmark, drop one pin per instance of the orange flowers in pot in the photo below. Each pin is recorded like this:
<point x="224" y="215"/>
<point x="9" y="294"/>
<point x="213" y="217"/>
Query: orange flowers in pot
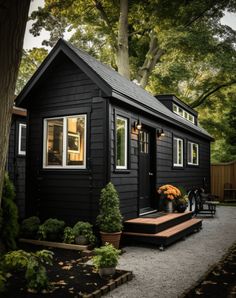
<point x="169" y="191"/>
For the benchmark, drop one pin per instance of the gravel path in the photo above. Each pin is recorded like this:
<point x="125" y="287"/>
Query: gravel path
<point x="168" y="274"/>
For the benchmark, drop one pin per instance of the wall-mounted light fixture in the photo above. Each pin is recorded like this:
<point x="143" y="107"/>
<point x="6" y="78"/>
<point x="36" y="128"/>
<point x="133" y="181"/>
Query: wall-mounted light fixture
<point x="137" y="125"/>
<point x="160" y="133"/>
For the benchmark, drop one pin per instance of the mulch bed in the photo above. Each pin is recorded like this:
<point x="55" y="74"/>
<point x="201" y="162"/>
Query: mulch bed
<point x="70" y="276"/>
<point x="220" y="281"/>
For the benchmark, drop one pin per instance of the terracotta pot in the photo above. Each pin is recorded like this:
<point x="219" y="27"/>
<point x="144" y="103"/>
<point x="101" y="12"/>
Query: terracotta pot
<point x="112" y="238"/>
<point x="107" y="271"/>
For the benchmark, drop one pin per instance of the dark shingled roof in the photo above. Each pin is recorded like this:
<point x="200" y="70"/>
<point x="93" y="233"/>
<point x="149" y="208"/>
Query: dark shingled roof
<point x="120" y="84"/>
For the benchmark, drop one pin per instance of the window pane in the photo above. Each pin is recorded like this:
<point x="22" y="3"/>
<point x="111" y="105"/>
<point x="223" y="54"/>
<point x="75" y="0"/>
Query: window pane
<point x="180" y="161"/>
<point x="191" y="118"/>
<point x="76" y="141"/>
<point x="175" y="108"/>
<point x="189" y="153"/>
<point x="54" y="141"/>
<point x="23" y="138"/>
<point x="175" y="151"/>
<point x="181" y="112"/>
<point x="185" y="115"/>
<point x="121" y="133"/>
<point x="195" y="154"/>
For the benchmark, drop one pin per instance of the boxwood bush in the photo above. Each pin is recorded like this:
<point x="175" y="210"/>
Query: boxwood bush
<point x="52" y="229"/>
<point x="29" y="227"/>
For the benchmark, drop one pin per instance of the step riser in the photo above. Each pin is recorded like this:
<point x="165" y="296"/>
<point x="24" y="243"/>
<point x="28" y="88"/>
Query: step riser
<point x="162" y="240"/>
<point x="152" y="229"/>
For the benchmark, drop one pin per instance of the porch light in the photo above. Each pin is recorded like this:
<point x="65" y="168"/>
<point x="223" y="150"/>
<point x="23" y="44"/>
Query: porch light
<point x="160" y="133"/>
<point x="138" y="125"/>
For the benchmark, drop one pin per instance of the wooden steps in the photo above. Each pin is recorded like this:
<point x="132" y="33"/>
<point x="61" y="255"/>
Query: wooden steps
<point x="162" y="231"/>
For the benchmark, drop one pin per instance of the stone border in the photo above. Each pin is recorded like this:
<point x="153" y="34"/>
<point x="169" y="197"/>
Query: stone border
<point x="127" y="276"/>
<point x="57" y="244"/>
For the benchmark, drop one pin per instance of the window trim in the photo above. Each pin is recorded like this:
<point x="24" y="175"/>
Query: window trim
<point x="184" y="111"/>
<point x="20" y="152"/>
<point x="191" y="163"/>
<point x="64" y="144"/>
<point x="125" y="167"/>
<point x="178" y="165"/>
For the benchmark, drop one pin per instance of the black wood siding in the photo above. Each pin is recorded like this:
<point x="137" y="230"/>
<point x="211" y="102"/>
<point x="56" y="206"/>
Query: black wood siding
<point x="16" y="164"/>
<point x="127" y="182"/>
<point x="69" y="194"/>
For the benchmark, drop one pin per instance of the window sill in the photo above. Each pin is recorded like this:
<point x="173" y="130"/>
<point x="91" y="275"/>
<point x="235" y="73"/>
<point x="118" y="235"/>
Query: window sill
<point x="193" y="166"/>
<point x="177" y="167"/>
<point x="121" y="171"/>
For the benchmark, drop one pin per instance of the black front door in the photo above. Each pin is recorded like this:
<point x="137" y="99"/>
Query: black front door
<point x="146" y="173"/>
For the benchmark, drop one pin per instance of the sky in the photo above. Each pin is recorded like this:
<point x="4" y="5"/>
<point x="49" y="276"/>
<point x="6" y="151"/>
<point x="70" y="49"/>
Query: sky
<point x="30" y="41"/>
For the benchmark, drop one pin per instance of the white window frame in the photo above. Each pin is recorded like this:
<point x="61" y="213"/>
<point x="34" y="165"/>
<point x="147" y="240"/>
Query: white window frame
<point x="21" y="152"/>
<point x="191" y="152"/>
<point x="178" y="164"/>
<point x="188" y="115"/>
<point x="64" y="150"/>
<point x="126" y="143"/>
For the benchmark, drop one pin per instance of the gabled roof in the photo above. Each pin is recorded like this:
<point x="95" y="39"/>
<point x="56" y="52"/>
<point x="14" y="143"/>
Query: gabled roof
<point x="112" y="84"/>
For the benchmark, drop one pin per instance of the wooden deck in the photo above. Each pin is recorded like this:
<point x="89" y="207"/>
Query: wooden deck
<point x="163" y="230"/>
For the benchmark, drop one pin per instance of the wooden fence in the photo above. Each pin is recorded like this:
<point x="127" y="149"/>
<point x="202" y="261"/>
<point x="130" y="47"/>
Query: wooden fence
<point x="221" y="174"/>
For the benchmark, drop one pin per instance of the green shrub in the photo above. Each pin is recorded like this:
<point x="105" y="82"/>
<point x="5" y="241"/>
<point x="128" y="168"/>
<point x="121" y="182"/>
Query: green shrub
<point x="106" y="256"/>
<point x="29" y="227"/>
<point x="9" y="222"/>
<point x="33" y="264"/>
<point x="109" y="218"/>
<point x="85" y="229"/>
<point x="2" y="282"/>
<point x="69" y="236"/>
<point x="52" y="229"/>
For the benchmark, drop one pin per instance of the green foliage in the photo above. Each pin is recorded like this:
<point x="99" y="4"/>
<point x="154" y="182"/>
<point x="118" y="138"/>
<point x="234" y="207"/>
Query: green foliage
<point x="29" y="227"/>
<point x="2" y="281"/>
<point x="33" y="264"/>
<point x="9" y="217"/>
<point x="52" y="229"/>
<point x="106" y="256"/>
<point x="69" y="236"/>
<point x="109" y="218"/>
<point x="84" y="229"/>
<point x="31" y="60"/>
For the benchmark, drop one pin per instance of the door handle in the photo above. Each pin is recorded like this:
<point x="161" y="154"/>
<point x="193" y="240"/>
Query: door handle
<point x="151" y="174"/>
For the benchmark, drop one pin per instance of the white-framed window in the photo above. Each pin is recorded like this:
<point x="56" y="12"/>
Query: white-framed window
<point x="193" y="154"/>
<point x="65" y="142"/>
<point x="121" y="142"/>
<point x="178" y="151"/>
<point x="181" y="112"/>
<point x="22" y="139"/>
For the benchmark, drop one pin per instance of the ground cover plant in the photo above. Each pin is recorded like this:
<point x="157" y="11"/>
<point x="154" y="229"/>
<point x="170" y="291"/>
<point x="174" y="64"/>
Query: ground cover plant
<point x="69" y="276"/>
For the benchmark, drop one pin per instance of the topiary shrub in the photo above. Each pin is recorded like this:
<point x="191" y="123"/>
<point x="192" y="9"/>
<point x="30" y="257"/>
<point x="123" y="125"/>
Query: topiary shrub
<point x="109" y="218"/>
<point x="52" y="229"/>
<point x="9" y="222"/>
<point x="33" y="264"/>
<point x="106" y="256"/>
<point x="29" y="227"/>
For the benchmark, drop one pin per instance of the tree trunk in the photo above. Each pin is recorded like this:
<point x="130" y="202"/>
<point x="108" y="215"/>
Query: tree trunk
<point x="152" y="57"/>
<point x="123" y="47"/>
<point x="13" y="19"/>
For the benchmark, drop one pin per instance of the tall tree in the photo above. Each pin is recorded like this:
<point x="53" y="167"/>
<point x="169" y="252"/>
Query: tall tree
<point x="13" y="18"/>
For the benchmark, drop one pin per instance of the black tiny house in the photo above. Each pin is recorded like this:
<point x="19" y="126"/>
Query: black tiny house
<point x="87" y="125"/>
<point x="16" y="156"/>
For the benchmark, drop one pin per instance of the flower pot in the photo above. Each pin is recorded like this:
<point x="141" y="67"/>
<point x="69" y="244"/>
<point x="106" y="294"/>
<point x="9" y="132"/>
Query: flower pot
<point x="181" y="208"/>
<point x="169" y="206"/>
<point x="112" y="238"/>
<point x="107" y="271"/>
<point x="81" y="240"/>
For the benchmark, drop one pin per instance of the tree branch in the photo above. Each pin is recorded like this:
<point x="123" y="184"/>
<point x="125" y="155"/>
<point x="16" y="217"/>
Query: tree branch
<point x="204" y="96"/>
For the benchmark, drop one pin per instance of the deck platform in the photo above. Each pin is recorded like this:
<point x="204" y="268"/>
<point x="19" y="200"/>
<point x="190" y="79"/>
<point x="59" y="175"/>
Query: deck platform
<point x="163" y="230"/>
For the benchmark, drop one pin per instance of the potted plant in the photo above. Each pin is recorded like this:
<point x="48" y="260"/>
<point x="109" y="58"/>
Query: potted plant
<point x="169" y="194"/>
<point x="106" y="259"/>
<point x="182" y="203"/>
<point x="83" y="233"/>
<point x="109" y="218"/>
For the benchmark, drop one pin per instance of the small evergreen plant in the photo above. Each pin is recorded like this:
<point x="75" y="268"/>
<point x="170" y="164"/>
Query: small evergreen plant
<point x="106" y="256"/>
<point x="29" y="227"/>
<point x="9" y="227"/>
<point x="109" y="218"/>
